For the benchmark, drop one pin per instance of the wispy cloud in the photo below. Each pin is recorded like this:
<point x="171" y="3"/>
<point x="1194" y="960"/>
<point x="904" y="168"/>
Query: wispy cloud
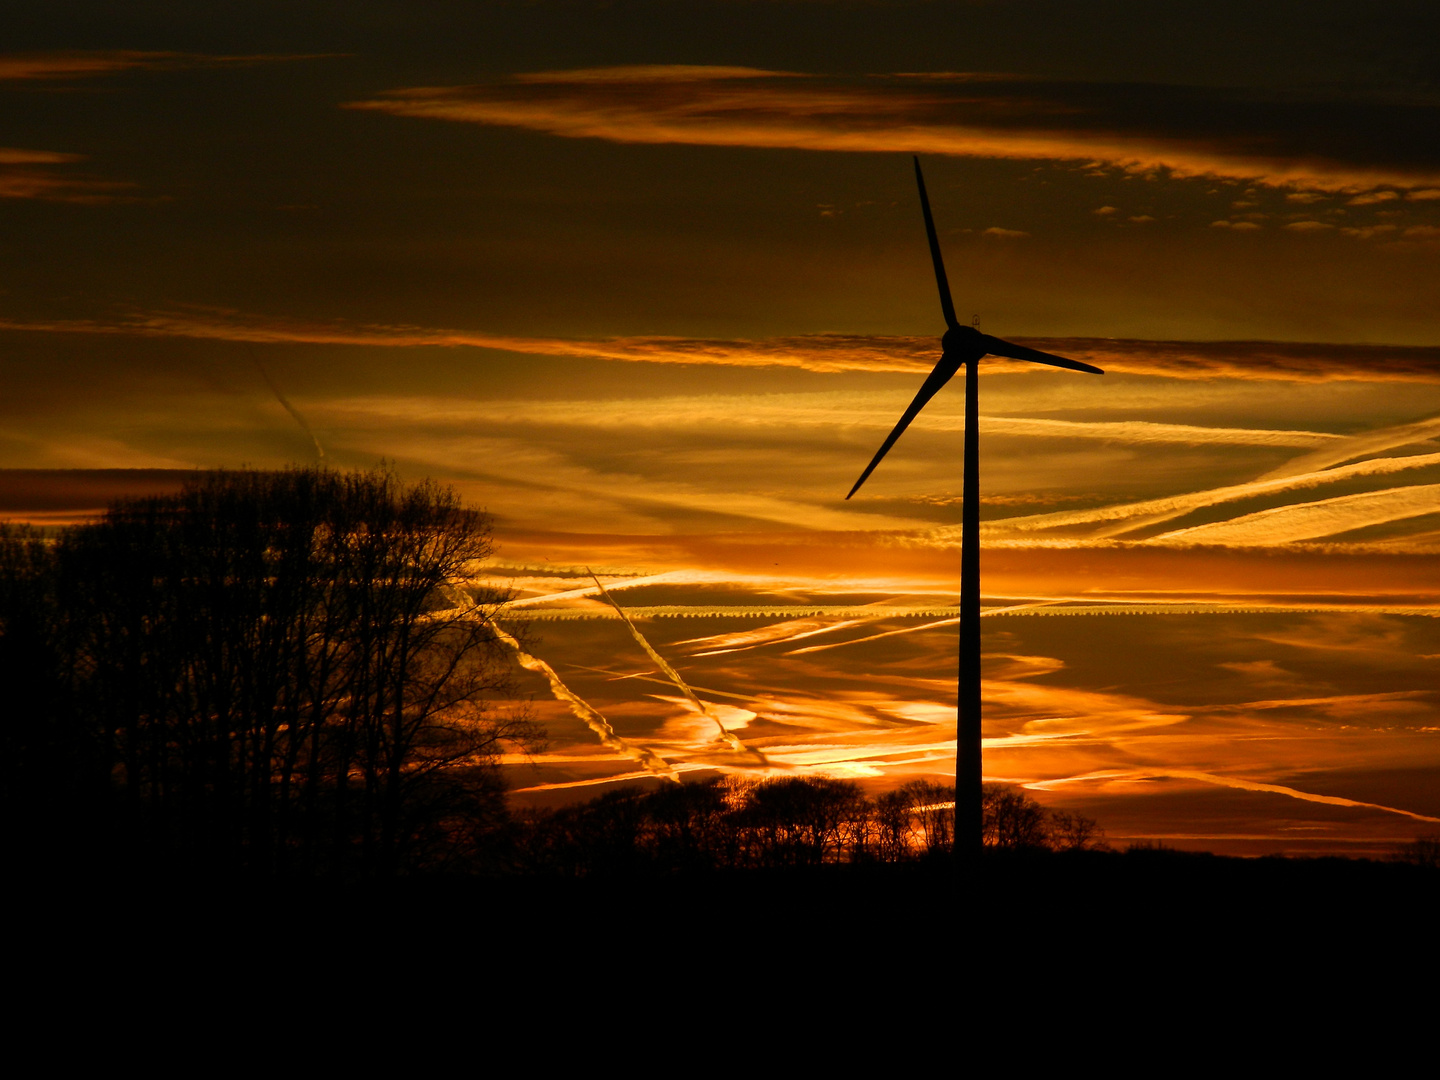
<point x="1247" y="360"/>
<point x="875" y="637"/>
<point x="1125" y="517"/>
<point x="1306" y="521"/>
<point x="13" y="156"/>
<point x="1353" y="446"/>
<point x="1141" y="129"/>
<point x="726" y="736"/>
<point x="1140" y="432"/>
<point x="33" y="174"/>
<point x="37" y="174"/>
<point x="652" y="761"/>
<point x="1008" y="609"/>
<point x="745" y="640"/>
<point x="1231" y="782"/>
<point x="827" y="410"/>
<point x="54" y="66"/>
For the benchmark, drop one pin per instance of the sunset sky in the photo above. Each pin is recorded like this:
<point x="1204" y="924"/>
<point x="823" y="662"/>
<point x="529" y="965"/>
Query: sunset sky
<point x="649" y="282"/>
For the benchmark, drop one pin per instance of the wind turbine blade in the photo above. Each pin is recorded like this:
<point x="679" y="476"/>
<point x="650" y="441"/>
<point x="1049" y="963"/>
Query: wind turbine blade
<point x="995" y="347"/>
<point x="946" y="304"/>
<point x="943" y="372"/>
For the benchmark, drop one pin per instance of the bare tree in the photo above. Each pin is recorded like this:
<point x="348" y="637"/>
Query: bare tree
<point x="932" y="814"/>
<point x="1013" y="820"/>
<point x="1070" y="831"/>
<point x="802" y="821"/>
<point x="1422" y="851"/>
<point x="277" y="668"/>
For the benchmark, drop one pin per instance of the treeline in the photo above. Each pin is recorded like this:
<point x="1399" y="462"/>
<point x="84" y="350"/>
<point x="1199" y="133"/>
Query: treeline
<point x="268" y="673"/>
<point x="732" y="824"/>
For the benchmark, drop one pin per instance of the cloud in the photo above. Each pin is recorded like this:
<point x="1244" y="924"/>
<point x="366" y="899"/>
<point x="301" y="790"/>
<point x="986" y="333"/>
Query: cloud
<point x="1249" y="360"/>
<point x="879" y="717"/>
<point x="875" y="637"/>
<point x="1365" y="232"/>
<point x="51" y="66"/>
<point x="651" y="761"/>
<point x="789" y="630"/>
<point x="1230" y="782"/>
<point x="1130" y="516"/>
<point x="1354" y="446"/>
<point x="29" y="174"/>
<point x="12" y="156"/>
<point x="548" y="596"/>
<point x="650" y="73"/>
<point x="70" y="65"/>
<point x="1141" y="129"/>
<point x="726" y="736"/>
<point x="1306" y="521"/>
<point x="1343" y="707"/>
<point x="1142" y="432"/>
<point x="827" y="411"/>
<point x="1371" y="197"/>
<point x="1009" y="609"/>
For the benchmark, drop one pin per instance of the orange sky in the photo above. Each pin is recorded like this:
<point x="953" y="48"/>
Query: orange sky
<point x="653" y="291"/>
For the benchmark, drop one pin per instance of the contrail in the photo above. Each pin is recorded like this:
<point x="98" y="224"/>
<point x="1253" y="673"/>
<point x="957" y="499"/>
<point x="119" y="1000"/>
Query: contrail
<point x="1233" y="782"/>
<point x="1154" y="511"/>
<point x="768" y="635"/>
<point x="294" y="412"/>
<point x="1355" y="446"/>
<point x="575" y="594"/>
<point x="652" y="761"/>
<point x="1013" y="609"/>
<point x="674" y="676"/>
<point x="1308" y="521"/>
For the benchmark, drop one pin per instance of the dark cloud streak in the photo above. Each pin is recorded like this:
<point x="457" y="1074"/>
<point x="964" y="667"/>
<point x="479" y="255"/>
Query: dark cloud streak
<point x="57" y="66"/>
<point x="1284" y="141"/>
<point x="1251" y="360"/>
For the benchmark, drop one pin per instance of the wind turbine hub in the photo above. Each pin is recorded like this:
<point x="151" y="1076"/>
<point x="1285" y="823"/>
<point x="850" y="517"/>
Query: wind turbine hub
<point x="963" y="343"/>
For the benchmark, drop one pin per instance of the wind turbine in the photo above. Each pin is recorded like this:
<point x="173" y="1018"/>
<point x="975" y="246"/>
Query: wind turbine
<point x="964" y="345"/>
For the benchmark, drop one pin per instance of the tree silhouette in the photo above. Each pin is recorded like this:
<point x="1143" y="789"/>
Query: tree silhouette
<point x="931" y="807"/>
<point x="728" y="823"/>
<point x="804" y="821"/>
<point x="1012" y="820"/>
<point x="54" y="774"/>
<point x="276" y="669"/>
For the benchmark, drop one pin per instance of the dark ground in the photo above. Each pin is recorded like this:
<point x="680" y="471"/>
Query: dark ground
<point x="1011" y="907"/>
<point x="1132" y="956"/>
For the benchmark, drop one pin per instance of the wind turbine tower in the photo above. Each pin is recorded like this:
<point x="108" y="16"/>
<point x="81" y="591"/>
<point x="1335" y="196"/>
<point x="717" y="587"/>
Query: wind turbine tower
<point x="964" y="345"/>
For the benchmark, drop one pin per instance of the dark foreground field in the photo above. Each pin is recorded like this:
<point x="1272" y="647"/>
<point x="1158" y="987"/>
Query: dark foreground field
<point x="879" y="920"/>
<point x="863" y="967"/>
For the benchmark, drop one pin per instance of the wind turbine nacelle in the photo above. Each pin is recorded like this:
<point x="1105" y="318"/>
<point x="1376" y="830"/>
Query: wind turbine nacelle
<point x="963" y="343"/>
